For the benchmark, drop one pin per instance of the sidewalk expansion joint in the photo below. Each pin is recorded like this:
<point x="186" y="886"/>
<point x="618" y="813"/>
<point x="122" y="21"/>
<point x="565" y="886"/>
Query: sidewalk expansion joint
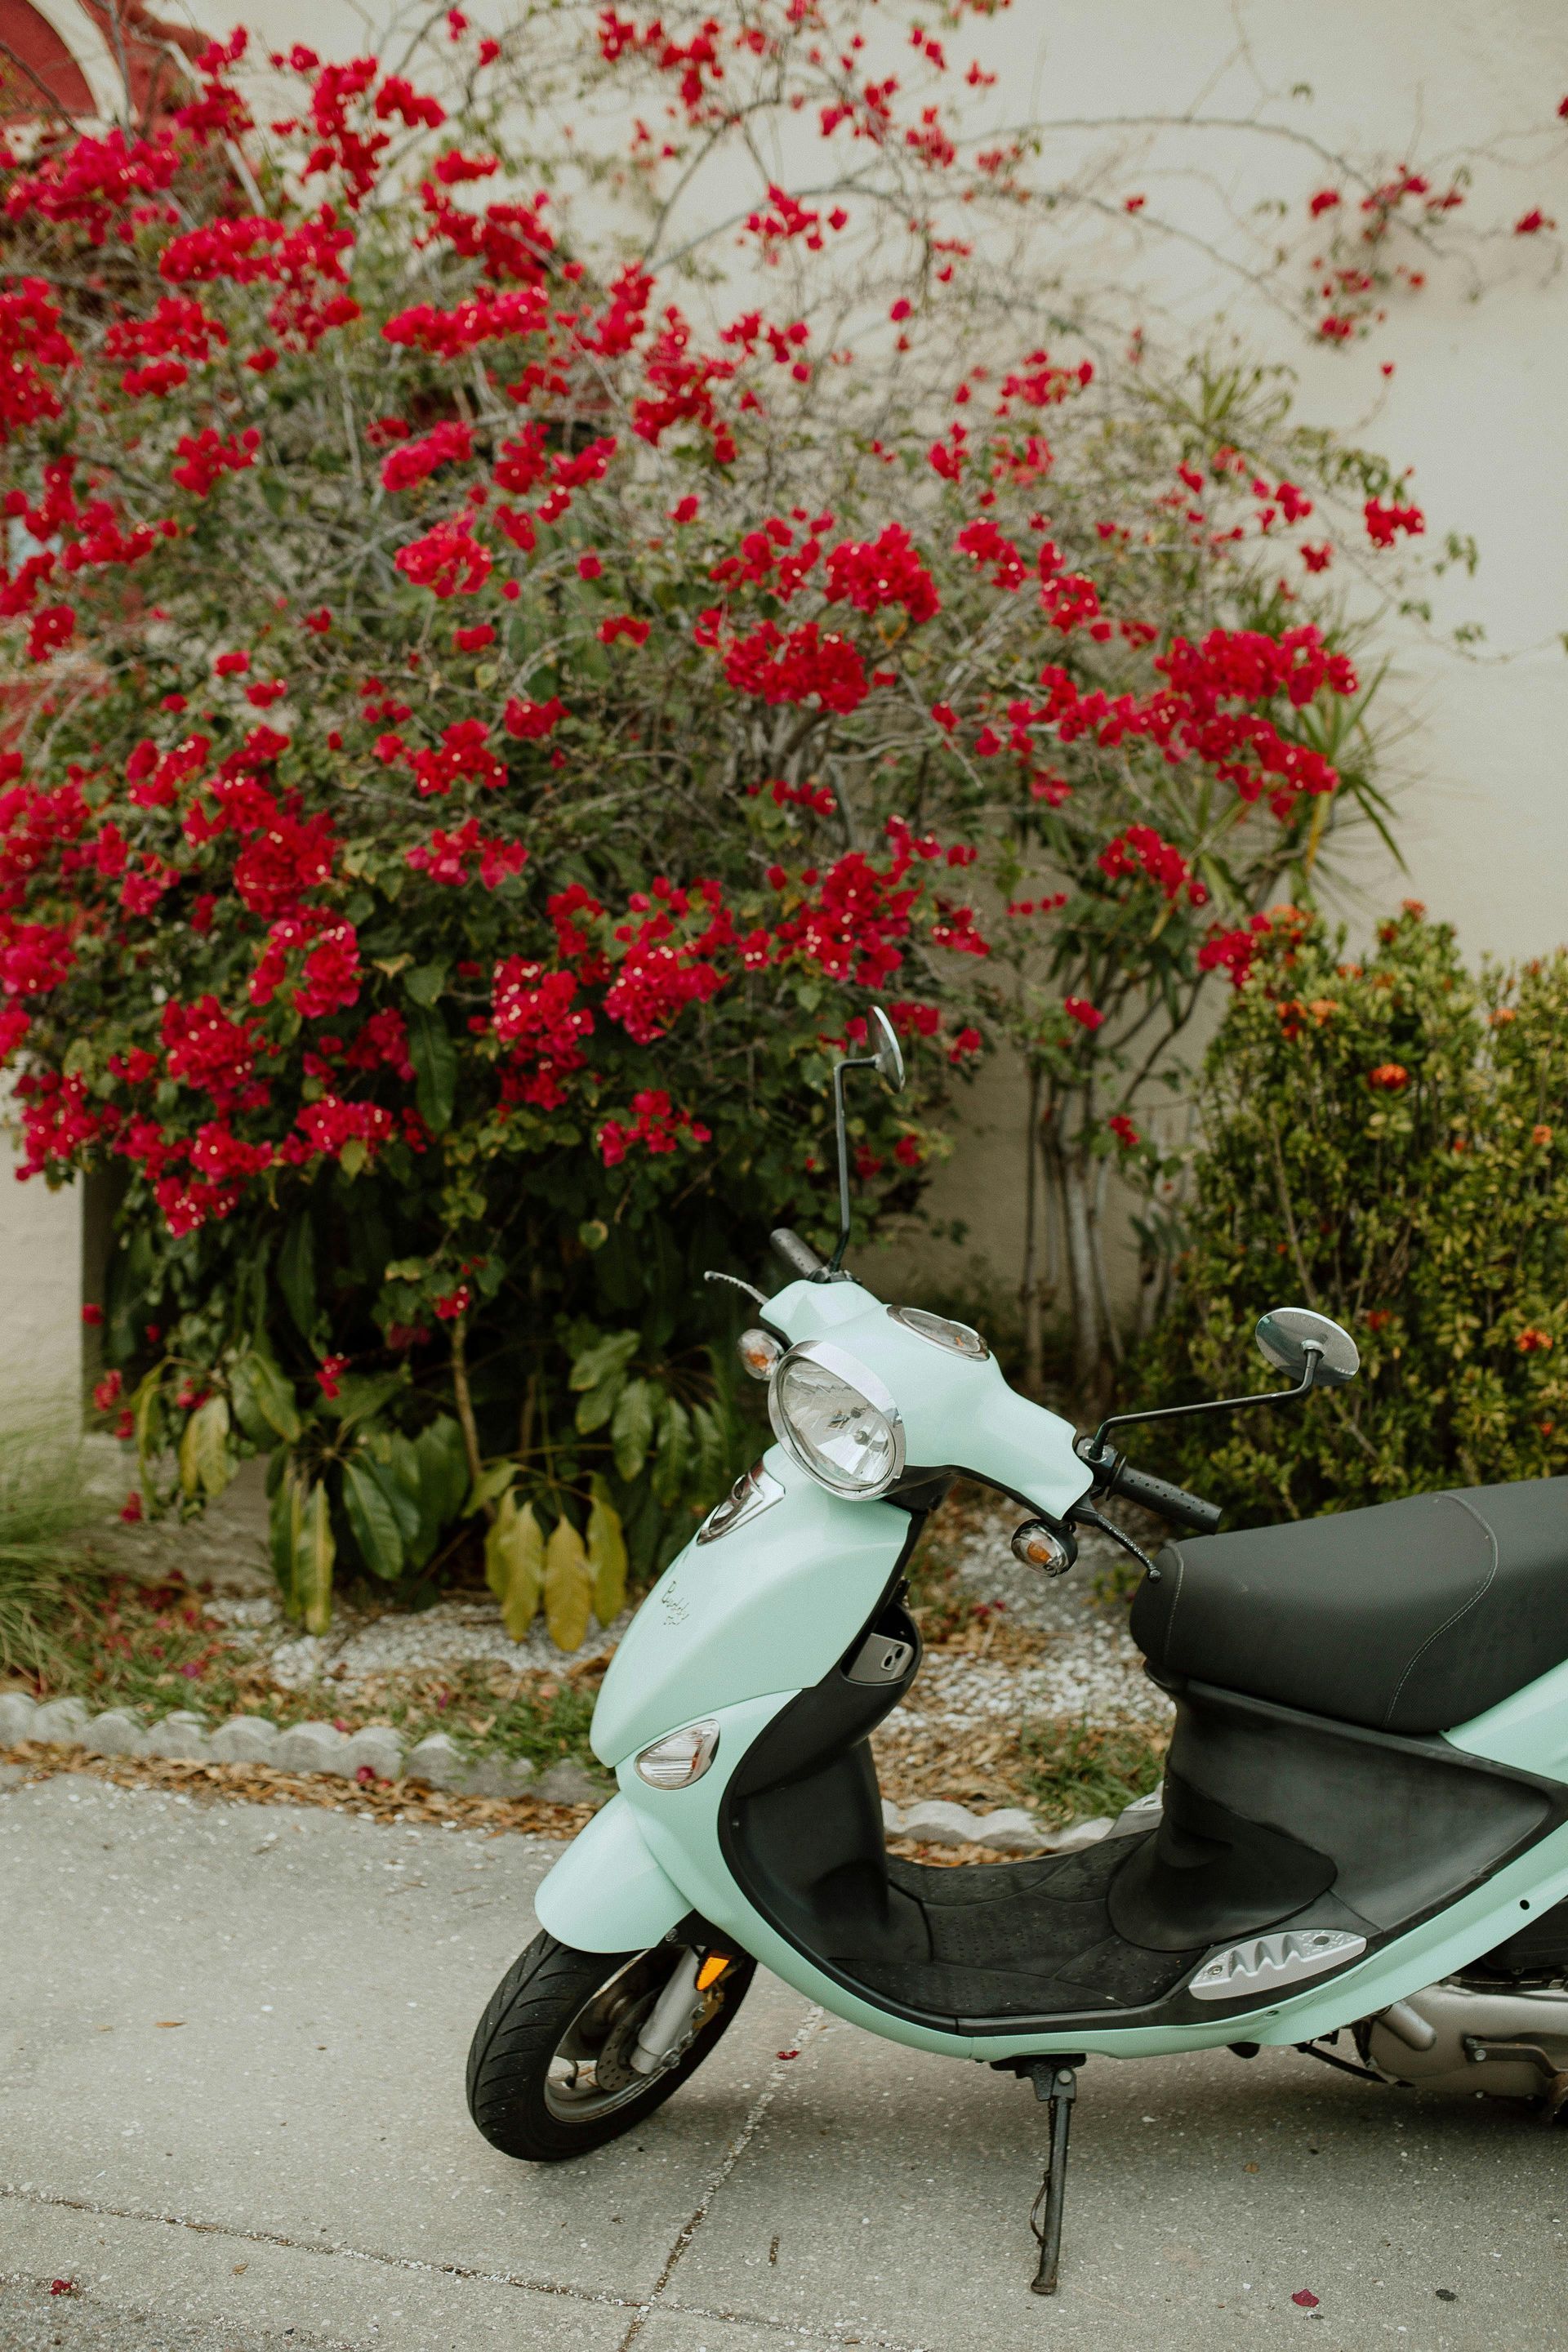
<point x="810" y="2027"/>
<point x="803" y="2331"/>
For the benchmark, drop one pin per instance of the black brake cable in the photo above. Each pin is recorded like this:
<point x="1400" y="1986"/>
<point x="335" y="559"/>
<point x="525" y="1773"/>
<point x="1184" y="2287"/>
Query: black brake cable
<point x="1117" y="1534"/>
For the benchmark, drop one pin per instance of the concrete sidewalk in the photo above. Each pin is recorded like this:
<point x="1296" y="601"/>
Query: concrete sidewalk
<point x="231" y="2113"/>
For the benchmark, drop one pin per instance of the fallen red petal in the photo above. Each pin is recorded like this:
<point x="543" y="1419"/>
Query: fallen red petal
<point x="787" y="2053"/>
<point x="1306" y="2299"/>
<point x="62" y="2286"/>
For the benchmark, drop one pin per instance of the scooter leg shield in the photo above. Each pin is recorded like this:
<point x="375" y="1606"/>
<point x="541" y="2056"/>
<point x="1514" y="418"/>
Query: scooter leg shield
<point x="608" y="1894"/>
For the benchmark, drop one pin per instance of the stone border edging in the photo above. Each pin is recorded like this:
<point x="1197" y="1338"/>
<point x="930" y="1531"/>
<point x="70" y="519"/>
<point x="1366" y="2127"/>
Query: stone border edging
<point x="380" y="1754"/>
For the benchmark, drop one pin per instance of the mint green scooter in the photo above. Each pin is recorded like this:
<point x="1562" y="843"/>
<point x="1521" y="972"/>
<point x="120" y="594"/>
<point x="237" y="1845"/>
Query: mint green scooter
<point x="1362" y="1840"/>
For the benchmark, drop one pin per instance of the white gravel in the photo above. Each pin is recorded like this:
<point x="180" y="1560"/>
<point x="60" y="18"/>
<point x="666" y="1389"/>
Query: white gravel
<point x="1093" y="1667"/>
<point x="453" y="1634"/>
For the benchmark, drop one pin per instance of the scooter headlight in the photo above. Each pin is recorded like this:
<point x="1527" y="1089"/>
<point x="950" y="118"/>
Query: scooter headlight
<point x="837" y="1420"/>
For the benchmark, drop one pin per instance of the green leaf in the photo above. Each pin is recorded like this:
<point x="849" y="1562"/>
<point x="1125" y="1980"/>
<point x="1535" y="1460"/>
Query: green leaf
<point x="286" y="1517"/>
<point x="264" y="1400"/>
<point x="424" y="985"/>
<point x="674" y="1447"/>
<point x="435" y="1060"/>
<point x="515" y="1565"/>
<point x="371" y="1515"/>
<point x="568" y="1587"/>
<point x="606" y="1555"/>
<point x="488" y="1486"/>
<point x="599" y="1403"/>
<point x="443" y="1466"/>
<point x="595" y="1364"/>
<point x="593" y="1233"/>
<point x="631" y="1432"/>
<point x="297" y="1276"/>
<point x="207" y="1463"/>
<point x="361" y="1394"/>
<point x="315" y="1551"/>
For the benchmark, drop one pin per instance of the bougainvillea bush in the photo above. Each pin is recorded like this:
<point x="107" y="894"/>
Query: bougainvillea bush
<point x="1386" y="1141"/>
<point x="484" y="724"/>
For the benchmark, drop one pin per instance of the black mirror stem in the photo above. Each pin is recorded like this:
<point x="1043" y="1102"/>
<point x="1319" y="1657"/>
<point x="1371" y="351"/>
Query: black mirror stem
<point x="1213" y="1405"/>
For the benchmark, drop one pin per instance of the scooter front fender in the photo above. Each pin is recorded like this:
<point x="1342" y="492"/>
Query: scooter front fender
<point x="608" y="1894"/>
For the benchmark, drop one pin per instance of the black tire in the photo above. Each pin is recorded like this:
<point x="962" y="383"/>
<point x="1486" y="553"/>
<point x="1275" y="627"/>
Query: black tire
<point x="552" y="1993"/>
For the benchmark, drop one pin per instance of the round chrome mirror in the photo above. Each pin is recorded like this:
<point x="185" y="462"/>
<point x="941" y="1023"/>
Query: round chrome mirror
<point x="1286" y="1334"/>
<point x="887" y="1053"/>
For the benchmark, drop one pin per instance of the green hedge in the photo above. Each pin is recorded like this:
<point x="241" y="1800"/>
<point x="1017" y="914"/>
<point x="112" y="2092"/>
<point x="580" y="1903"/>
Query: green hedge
<point x="1387" y="1142"/>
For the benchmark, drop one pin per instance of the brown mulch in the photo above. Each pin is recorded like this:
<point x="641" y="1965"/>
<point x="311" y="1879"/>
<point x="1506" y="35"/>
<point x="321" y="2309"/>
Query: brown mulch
<point x="378" y="1800"/>
<point x="263" y="1784"/>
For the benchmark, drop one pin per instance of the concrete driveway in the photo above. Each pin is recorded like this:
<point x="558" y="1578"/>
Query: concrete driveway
<point x="231" y="2116"/>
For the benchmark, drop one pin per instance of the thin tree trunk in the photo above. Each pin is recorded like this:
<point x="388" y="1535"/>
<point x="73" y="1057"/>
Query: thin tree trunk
<point x="465" y="1404"/>
<point x="1088" y="1329"/>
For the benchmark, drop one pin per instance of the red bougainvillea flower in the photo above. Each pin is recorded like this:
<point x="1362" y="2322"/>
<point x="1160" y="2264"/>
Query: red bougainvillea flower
<point x="1123" y="1128"/>
<point x="1389" y="1078"/>
<point x="92" y="1313"/>
<point x="1079" y="1009"/>
<point x="131" y="1511"/>
<point x="1385" y="522"/>
<point x="1532" y="223"/>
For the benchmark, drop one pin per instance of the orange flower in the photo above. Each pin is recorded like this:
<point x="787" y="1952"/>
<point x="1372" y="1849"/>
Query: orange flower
<point x="1532" y="1342"/>
<point x="1389" y="1078"/>
<point x="1542" y="1135"/>
<point x="1500" y="1018"/>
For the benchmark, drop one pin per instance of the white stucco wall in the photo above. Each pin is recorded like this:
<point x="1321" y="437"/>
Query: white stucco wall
<point x="1475" y="405"/>
<point x="40" y="1295"/>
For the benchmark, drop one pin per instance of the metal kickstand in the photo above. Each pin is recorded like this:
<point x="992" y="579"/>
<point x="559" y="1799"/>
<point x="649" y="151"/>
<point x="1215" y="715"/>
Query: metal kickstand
<point x="1055" y="2079"/>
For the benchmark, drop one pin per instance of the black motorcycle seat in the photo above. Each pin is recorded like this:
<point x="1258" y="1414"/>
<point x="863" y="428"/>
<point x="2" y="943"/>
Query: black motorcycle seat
<point x="1411" y="1616"/>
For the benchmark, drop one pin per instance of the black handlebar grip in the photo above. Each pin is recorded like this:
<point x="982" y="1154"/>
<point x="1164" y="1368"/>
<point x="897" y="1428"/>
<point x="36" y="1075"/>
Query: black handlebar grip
<point x="798" y="1256"/>
<point x="1170" y="1502"/>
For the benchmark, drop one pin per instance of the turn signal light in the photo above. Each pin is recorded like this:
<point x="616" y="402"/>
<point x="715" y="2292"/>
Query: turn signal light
<point x="712" y="1969"/>
<point x="759" y="1352"/>
<point x="680" y="1757"/>
<point x="1038" y="1546"/>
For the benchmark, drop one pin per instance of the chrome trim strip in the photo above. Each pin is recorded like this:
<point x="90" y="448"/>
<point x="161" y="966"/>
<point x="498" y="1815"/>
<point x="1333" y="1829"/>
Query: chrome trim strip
<point x="756" y="1490"/>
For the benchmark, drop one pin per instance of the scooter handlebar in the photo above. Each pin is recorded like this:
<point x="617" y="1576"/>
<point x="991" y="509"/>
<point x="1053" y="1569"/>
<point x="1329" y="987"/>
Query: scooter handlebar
<point x="1170" y="1502"/>
<point x="798" y="1256"/>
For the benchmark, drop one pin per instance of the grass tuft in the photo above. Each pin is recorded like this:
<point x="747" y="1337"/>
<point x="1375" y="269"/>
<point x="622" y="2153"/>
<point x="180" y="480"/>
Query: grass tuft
<point x="1074" y="1770"/>
<point x="48" y="1577"/>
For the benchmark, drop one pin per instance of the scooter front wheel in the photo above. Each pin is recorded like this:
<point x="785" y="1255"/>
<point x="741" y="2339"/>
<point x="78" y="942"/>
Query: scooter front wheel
<point x="561" y="2060"/>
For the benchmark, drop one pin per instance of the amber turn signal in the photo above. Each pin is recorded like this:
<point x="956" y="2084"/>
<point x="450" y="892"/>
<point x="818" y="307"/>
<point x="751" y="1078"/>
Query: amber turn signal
<point x="712" y="1969"/>
<point x="759" y="1352"/>
<point x="1038" y="1546"/>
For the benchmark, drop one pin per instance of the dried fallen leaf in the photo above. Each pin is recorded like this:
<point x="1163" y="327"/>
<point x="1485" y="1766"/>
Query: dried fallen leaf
<point x="168" y="2021"/>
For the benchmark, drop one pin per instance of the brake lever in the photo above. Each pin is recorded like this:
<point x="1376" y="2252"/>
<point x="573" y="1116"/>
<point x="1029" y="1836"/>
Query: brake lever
<point x="735" y="1282"/>
<point x="1118" y="1535"/>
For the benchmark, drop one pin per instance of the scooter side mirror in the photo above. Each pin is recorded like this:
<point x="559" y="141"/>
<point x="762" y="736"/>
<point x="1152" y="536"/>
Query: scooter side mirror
<point x="1292" y="1337"/>
<point x="887" y="1059"/>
